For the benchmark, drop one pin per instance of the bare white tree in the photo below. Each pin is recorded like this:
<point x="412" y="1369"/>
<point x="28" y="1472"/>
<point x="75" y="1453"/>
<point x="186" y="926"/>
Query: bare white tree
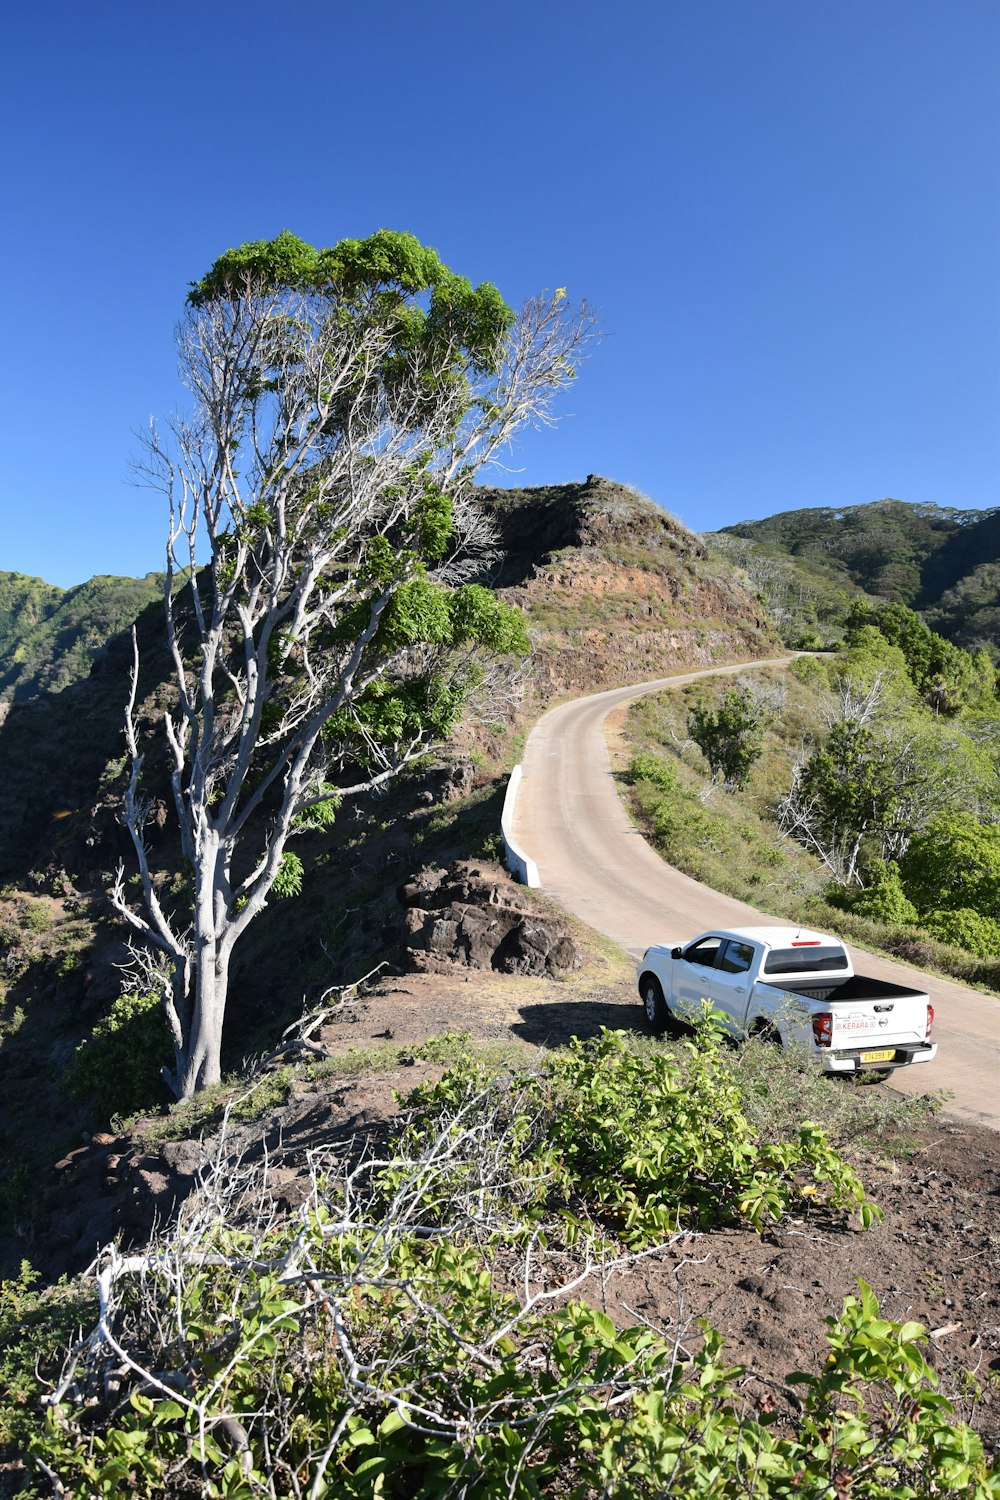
<point x="324" y="472"/>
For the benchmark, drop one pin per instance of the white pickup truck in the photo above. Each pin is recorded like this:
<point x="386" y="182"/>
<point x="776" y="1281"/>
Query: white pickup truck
<point x="795" y="987"/>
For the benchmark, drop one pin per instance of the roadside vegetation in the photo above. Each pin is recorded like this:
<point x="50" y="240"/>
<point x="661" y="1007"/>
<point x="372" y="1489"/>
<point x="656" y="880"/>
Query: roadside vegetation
<point x="858" y="791"/>
<point x="430" y="1324"/>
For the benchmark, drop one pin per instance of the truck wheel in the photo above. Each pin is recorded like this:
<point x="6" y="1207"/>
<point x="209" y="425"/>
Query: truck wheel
<point x="764" y="1031"/>
<point x="653" y="1003"/>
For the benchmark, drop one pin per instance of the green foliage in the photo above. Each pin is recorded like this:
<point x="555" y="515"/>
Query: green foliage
<point x="417" y="613"/>
<point x="384" y="273"/>
<point x="647" y="1143"/>
<point x="374" y="1348"/>
<point x="807" y="669"/>
<point x="870" y="655"/>
<point x="854" y="790"/>
<point x="731" y="736"/>
<point x="423" y="613"/>
<point x="479" y="618"/>
<point x="288" y="881"/>
<point x="653" y="769"/>
<point x="322" y="814"/>
<point x="118" y="1066"/>
<point x="955" y="863"/>
<point x="966" y="929"/>
<point x="948" y="678"/>
<point x="35" y="1328"/>
<point x="883" y="897"/>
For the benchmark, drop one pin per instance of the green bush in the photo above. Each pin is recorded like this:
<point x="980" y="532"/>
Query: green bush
<point x="654" y="769"/>
<point x="731" y="736"/>
<point x="807" y="669"/>
<point x="118" y="1066"/>
<point x="35" y="1328"/>
<point x="810" y="640"/>
<point x="883" y="897"/>
<point x="955" y="863"/>
<point x="644" y="1143"/>
<point x="965" y="928"/>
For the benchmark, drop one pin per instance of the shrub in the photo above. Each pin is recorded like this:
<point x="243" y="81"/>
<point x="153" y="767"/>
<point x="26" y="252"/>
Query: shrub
<point x="731" y="737"/>
<point x="955" y="863"/>
<point x="965" y="928"/>
<point x="644" y="1143"/>
<point x="373" y="1347"/>
<point x="883" y="897"/>
<point x="118" y="1066"/>
<point x="35" y="1327"/>
<point x="645" y="766"/>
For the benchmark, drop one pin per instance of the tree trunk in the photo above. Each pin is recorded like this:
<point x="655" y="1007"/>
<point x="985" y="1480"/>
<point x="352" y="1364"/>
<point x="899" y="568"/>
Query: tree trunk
<point x="200" y="1063"/>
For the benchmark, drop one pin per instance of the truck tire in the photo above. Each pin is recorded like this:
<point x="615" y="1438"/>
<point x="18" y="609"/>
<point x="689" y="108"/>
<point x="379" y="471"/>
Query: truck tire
<point x="653" y="1003"/>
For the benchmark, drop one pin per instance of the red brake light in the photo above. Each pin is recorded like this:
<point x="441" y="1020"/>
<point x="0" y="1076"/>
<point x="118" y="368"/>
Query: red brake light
<point x="806" y="943"/>
<point x="930" y="1019"/>
<point x="822" y="1025"/>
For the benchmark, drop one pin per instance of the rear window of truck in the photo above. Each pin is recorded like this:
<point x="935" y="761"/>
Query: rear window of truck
<point x="805" y="960"/>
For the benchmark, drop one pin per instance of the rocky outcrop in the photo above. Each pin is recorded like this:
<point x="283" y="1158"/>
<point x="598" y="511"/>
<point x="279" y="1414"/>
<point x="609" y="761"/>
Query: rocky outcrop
<point x="473" y="915"/>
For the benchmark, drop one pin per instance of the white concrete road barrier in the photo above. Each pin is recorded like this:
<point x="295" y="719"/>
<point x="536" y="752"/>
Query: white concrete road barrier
<point x="517" y="861"/>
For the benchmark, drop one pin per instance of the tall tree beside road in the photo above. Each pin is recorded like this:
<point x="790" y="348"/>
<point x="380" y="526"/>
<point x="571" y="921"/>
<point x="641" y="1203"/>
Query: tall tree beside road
<point x="341" y="402"/>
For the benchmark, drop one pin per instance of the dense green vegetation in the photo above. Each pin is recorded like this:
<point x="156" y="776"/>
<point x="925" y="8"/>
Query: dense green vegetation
<point x="871" y="795"/>
<point x="941" y="561"/>
<point x="50" y="637"/>
<point x="374" y="1347"/>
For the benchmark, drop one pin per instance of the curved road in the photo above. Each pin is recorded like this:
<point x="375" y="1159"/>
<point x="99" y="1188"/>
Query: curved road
<point x="592" y="859"/>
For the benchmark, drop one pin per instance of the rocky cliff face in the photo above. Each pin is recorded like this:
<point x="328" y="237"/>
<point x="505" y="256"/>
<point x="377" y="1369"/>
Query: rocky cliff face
<point x="616" y="590"/>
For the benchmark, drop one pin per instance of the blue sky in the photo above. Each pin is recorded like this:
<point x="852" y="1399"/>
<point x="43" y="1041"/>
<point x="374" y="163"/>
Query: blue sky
<point x="786" y="211"/>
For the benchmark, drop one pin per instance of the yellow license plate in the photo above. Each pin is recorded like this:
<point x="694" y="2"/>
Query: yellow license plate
<point x="884" y="1056"/>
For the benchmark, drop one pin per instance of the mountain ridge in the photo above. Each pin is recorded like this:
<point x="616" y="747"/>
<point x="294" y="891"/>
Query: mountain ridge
<point x="940" y="560"/>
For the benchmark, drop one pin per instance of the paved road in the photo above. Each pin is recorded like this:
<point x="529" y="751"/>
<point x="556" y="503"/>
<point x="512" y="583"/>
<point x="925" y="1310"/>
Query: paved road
<point x="590" y="857"/>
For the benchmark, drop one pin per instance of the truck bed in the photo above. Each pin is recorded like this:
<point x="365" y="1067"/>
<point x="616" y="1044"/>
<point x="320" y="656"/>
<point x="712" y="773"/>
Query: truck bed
<point x="856" y="989"/>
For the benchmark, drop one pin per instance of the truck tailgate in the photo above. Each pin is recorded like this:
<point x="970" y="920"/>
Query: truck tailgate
<point x="878" y="1022"/>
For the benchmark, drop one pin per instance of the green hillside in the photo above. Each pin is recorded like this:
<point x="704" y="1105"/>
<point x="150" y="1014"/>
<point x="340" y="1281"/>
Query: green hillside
<point x="50" y="637"/>
<point x="941" y="561"/>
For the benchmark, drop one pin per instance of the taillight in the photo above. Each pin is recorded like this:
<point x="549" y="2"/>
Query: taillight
<point x="822" y="1025"/>
<point x="930" y="1019"/>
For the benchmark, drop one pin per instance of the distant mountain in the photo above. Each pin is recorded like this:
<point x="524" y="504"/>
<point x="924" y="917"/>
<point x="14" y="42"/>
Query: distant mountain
<point x="941" y="561"/>
<point x="50" y="637"/>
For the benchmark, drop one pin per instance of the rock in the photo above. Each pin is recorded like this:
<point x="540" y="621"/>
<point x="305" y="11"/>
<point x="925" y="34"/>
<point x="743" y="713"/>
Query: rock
<point x="474" y="915"/>
<point x="447" y="781"/>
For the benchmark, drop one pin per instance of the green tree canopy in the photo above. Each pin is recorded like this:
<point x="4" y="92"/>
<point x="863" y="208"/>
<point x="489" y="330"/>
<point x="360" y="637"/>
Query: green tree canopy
<point x="949" y="679"/>
<point x="731" y="735"/>
<point x="955" y="863"/>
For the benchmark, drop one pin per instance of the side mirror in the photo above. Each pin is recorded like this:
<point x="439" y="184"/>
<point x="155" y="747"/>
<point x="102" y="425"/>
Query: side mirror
<point x="676" y="952"/>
